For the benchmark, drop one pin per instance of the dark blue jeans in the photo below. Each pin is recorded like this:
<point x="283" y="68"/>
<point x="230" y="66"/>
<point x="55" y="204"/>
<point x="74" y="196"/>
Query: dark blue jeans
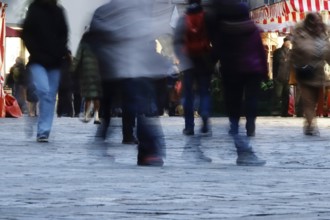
<point x="137" y="99"/>
<point x="202" y="80"/>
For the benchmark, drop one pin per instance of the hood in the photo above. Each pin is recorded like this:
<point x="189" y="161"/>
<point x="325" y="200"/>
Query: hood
<point x="238" y="27"/>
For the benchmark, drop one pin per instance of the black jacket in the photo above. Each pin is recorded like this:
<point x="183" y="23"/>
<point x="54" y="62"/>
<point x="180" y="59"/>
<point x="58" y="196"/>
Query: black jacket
<point x="45" y="34"/>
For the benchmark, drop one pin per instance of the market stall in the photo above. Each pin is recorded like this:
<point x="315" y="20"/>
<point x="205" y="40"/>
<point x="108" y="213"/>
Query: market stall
<point x="2" y="53"/>
<point x="278" y="20"/>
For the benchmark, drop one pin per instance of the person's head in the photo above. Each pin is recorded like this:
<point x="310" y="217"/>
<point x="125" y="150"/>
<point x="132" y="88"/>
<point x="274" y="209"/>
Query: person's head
<point x="287" y="42"/>
<point x="50" y="2"/>
<point x="194" y="2"/>
<point x="231" y="10"/>
<point x="19" y="60"/>
<point x="314" y="24"/>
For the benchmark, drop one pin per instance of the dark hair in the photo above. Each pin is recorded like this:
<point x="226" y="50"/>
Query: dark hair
<point x="286" y="39"/>
<point x="231" y="10"/>
<point x="194" y="2"/>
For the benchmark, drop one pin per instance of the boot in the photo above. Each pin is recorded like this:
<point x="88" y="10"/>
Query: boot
<point x="248" y="158"/>
<point x="233" y="126"/>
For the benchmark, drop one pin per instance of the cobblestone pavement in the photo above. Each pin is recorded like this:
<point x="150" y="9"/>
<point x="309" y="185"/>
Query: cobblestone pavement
<point x="74" y="177"/>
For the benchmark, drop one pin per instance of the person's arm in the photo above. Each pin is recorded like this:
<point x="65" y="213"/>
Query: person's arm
<point x="29" y="31"/>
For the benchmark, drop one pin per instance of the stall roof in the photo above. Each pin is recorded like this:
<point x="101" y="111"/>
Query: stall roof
<point x="282" y="16"/>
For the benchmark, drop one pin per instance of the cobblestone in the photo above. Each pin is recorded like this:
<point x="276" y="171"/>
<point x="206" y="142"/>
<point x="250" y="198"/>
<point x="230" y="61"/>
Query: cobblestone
<point x="75" y="177"/>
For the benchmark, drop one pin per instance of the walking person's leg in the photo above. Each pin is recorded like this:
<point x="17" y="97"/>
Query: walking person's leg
<point x="285" y="100"/>
<point x="309" y="96"/>
<point x="188" y="103"/>
<point x="205" y="100"/>
<point x="252" y="92"/>
<point x="233" y="94"/>
<point x="97" y="105"/>
<point x="128" y="112"/>
<point x="46" y="83"/>
<point x="151" y="147"/>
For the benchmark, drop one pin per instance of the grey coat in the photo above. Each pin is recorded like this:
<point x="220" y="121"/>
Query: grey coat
<point x="311" y="50"/>
<point x="124" y="40"/>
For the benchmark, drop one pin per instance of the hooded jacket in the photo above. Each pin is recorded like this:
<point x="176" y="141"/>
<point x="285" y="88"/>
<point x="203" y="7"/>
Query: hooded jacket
<point x="45" y="34"/>
<point x="237" y="43"/>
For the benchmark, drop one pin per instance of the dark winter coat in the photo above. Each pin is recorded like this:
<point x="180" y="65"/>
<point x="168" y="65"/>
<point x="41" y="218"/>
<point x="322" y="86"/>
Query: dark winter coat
<point x="281" y="64"/>
<point x="45" y="34"/>
<point x="239" y="48"/>
<point x="237" y="42"/>
<point x="86" y="67"/>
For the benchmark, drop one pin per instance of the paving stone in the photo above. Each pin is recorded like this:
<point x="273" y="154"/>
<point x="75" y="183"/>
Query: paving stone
<point x="75" y="177"/>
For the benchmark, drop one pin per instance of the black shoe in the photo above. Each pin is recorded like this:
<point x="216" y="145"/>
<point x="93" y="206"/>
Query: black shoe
<point x="131" y="140"/>
<point x="250" y="133"/>
<point x="97" y="122"/>
<point x="42" y="139"/>
<point x="249" y="159"/>
<point x="188" y="131"/>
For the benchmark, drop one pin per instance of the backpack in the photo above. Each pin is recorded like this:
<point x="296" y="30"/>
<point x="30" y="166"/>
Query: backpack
<point x="196" y="38"/>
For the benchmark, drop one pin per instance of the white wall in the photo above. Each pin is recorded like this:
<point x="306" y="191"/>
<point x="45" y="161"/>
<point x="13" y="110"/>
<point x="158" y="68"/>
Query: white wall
<point x="79" y="14"/>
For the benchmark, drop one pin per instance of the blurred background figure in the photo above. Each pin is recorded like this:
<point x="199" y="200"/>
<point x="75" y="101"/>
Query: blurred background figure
<point x="45" y="34"/>
<point x="64" y="97"/>
<point x="192" y="48"/>
<point x="310" y="52"/>
<point x="31" y="95"/>
<point x="86" y="67"/>
<point x="237" y="44"/>
<point x="18" y="75"/>
<point x="281" y="76"/>
<point x="124" y="41"/>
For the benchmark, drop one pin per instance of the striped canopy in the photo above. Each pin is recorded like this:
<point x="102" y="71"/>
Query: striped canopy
<point x="282" y="16"/>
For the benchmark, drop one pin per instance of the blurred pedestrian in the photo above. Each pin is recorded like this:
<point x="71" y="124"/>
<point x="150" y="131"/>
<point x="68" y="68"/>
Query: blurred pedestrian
<point x="45" y="34"/>
<point x="18" y="73"/>
<point x="310" y="52"/>
<point x="237" y="43"/>
<point x="65" y="93"/>
<point x="281" y="76"/>
<point x="125" y="45"/>
<point x="192" y="47"/>
<point x="87" y="68"/>
<point x="31" y="95"/>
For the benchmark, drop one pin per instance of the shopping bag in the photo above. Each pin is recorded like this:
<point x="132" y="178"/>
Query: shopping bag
<point x="12" y="107"/>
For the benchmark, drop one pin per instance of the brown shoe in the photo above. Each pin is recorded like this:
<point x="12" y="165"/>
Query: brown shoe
<point x="150" y="161"/>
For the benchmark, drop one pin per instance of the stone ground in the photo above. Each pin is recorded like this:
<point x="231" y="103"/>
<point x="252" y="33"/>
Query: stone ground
<point x="74" y="177"/>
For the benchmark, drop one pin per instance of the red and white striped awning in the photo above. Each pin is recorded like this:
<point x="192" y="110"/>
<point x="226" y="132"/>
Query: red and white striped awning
<point x="282" y="16"/>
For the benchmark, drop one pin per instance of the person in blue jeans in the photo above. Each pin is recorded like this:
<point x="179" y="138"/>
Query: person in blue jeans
<point x="202" y="78"/>
<point x="194" y="58"/>
<point x="45" y="34"/>
<point x="126" y="49"/>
